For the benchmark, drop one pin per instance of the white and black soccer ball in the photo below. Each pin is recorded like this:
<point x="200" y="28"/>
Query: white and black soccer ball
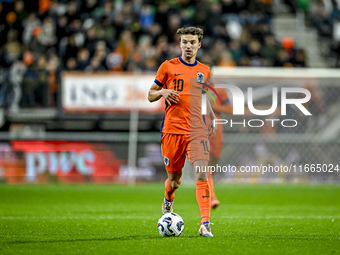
<point x="170" y="224"/>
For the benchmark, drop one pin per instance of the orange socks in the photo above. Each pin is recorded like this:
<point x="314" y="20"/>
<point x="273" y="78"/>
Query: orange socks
<point x="169" y="192"/>
<point x="203" y="200"/>
<point x="202" y="196"/>
<point x="211" y="185"/>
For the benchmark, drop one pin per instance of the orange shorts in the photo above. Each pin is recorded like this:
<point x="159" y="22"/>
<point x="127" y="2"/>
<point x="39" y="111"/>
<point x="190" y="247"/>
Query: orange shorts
<point x="216" y="142"/>
<point x="175" y="147"/>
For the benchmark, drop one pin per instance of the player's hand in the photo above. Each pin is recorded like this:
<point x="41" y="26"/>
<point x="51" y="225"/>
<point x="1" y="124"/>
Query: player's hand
<point x="212" y="129"/>
<point x="171" y="96"/>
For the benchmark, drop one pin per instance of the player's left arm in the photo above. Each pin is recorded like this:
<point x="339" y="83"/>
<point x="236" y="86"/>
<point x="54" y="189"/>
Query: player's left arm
<point x="210" y="113"/>
<point x="226" y="108"/>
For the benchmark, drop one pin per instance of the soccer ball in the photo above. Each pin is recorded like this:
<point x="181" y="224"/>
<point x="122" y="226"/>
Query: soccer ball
<point x="170" y="224"/>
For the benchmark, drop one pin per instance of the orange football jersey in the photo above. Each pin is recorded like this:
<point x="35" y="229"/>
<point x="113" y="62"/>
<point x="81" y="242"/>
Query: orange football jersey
<point x="185" y="117"/>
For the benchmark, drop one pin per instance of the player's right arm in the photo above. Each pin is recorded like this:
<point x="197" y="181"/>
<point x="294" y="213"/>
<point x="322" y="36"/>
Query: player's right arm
<point x="156" y="92"/>
<point x="158" y="89"/>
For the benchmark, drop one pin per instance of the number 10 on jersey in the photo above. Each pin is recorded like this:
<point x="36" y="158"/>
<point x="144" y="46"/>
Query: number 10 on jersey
<point x="178" y="84"/>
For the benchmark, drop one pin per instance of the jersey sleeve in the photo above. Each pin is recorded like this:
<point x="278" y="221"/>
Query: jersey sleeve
<point x="162" y="74"/>
<point x="207" y="81"/>
<point x="208" y="78"/>
<point x="224" y="96"/>
<point x="222" y="93"/>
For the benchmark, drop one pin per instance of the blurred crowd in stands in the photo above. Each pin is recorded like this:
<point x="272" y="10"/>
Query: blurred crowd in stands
<point x="40" y="39"/>
<point x="325" y="17"/>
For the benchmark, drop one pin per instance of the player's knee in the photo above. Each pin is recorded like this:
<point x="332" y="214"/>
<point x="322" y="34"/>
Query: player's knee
<point x="201" y="179"/>
<point x="175" y="184"/>
<point x="201" y="176"/>
<point x="200" y="173"/>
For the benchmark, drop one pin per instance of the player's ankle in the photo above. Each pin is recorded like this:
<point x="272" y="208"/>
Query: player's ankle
<point x="205" y="220"/>
<point x="168" y="199"/>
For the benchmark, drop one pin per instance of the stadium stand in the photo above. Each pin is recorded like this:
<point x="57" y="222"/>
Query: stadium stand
<point x="40" y="40"/>
<point x="325" y="17"/>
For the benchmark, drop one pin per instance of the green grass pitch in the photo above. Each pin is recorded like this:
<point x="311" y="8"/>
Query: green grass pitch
<point x="117" y="219"/>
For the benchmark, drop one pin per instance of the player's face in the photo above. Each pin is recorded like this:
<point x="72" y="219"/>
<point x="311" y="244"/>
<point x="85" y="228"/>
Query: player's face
<point x="189" y="45"/>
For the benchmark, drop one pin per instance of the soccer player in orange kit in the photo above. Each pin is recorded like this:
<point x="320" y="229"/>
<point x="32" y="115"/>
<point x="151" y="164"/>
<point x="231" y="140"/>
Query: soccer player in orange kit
<point x="180" y="81"/>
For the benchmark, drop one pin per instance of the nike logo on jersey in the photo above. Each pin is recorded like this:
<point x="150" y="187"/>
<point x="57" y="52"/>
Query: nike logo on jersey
<point x="176" y="74"/>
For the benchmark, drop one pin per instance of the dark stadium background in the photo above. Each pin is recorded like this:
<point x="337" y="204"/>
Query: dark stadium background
<point x="74" y="77"/>
<point x="42" y="42"/>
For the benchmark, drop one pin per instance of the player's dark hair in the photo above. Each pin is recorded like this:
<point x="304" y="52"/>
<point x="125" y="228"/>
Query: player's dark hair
<point x="191" y="31"/>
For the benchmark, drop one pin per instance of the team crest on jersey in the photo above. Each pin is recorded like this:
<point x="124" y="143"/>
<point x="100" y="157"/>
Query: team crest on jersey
<point x="200" y="77"/>
<point x="166" y="161"/>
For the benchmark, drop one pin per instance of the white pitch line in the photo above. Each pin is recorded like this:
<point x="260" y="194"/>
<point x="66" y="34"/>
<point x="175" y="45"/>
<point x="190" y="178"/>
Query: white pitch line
<point x="282" y="217"/>
<point x="74" y="217"/>
<point x="121" y="217"/>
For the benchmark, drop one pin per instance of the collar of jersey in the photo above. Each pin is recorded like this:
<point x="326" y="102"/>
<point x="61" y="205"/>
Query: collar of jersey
<point x="187" y="64"/>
